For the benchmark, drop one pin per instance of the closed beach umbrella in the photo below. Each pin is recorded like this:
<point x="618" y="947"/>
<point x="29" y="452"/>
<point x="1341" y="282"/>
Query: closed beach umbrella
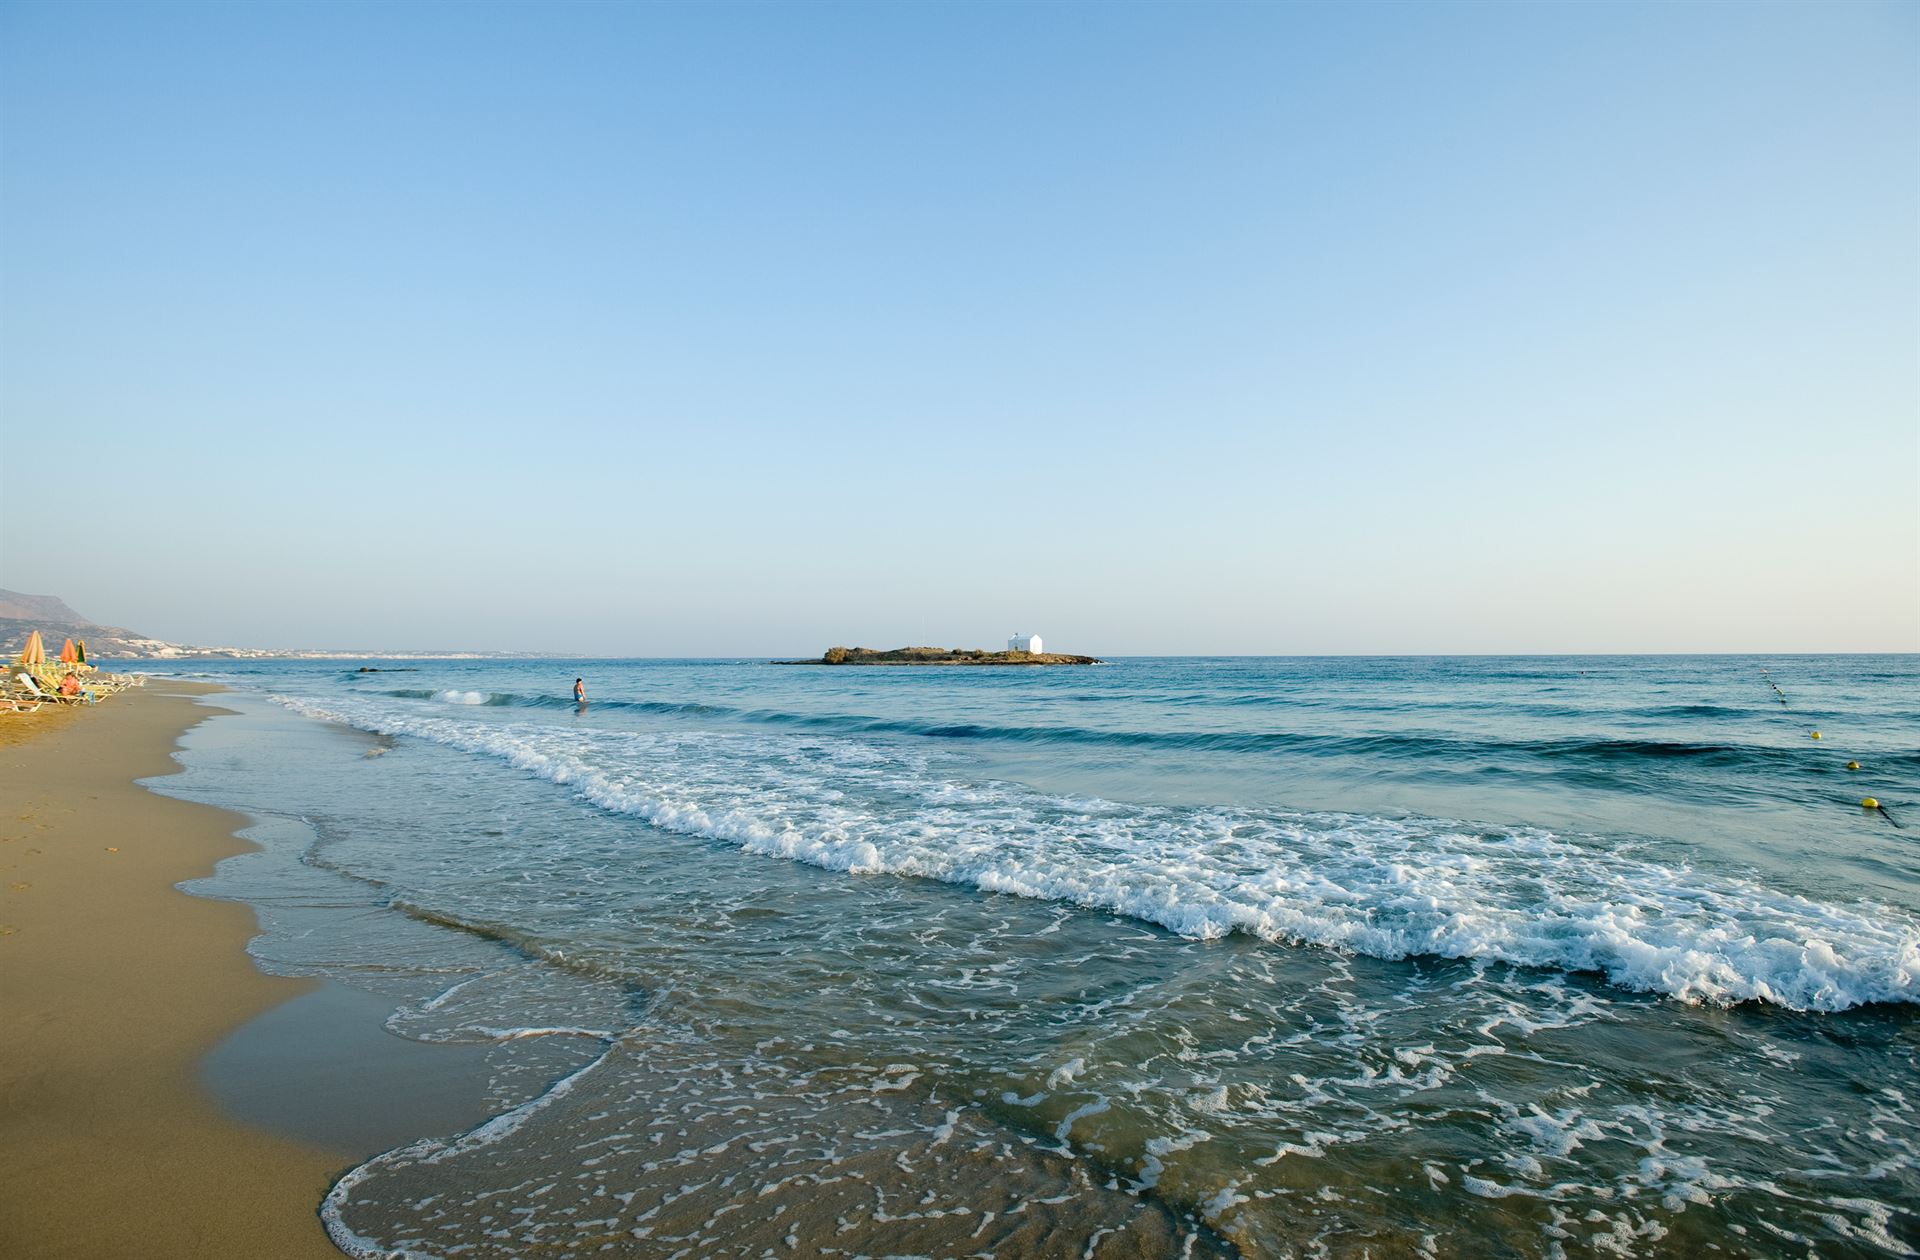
<point x="67" y="655"/>
<point x="35" y="652"/>
<point x="80" y="651"/>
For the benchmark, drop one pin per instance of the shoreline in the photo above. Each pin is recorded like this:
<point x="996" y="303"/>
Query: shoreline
<point x="1024" y="1087"/>
<point x="117" y="985"/>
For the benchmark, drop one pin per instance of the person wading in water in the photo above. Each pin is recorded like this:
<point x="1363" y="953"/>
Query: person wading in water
<point x="579" y="691"/>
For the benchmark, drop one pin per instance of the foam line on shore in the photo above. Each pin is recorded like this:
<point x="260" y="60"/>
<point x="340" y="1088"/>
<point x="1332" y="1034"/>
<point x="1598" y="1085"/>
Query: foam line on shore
<point x="433" y="1151"/>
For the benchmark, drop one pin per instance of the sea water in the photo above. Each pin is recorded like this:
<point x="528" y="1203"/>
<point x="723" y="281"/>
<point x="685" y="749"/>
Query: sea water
<point x="1447" y="957"/>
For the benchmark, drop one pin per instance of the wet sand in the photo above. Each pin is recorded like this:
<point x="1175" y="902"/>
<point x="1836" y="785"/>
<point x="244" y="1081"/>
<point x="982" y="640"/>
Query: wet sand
<point x="113" y="986"/>
<point x="323" y="1069"/>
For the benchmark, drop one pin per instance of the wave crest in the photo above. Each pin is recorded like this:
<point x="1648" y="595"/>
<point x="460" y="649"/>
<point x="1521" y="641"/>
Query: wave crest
<point x="1390" y="888"/>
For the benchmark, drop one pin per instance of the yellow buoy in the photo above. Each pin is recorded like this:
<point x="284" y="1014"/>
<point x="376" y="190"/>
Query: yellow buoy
<point x="1816" y="734"/>
<point x="1853" y="765"/>
<point x="1869" y="803"/>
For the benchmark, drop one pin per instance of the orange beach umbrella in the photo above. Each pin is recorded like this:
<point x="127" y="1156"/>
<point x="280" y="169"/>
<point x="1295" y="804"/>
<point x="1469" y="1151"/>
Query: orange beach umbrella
<point x="67" y="654"/>
<point x="35" y="653"/>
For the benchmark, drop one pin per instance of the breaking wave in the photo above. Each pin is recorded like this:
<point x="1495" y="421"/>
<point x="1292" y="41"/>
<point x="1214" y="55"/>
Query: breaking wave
<point x="1389" y="888"/>
<point x="1595" y="754"/>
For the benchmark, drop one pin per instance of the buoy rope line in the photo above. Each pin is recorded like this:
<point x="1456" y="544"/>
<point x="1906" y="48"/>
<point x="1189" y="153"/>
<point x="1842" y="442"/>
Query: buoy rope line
<point x="1868" y="803"/>
<point x="1874" y="806"/>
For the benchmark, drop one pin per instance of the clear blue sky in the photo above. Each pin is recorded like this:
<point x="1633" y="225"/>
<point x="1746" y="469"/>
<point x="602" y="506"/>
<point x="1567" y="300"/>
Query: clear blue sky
<point x="713" y="329"/>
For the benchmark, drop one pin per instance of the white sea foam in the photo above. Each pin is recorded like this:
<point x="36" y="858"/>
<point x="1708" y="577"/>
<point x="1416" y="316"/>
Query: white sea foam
<point x="1390" y="888"/>
<point x="461" y="697"/>
<point x="432" y="1151"/>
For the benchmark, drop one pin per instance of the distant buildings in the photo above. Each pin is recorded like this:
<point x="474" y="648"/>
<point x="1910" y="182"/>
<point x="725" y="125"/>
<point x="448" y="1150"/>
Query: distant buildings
<point x="1025" y="643"/>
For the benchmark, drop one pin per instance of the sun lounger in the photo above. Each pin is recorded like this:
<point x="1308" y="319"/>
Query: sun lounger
<point x="54" y="696"/>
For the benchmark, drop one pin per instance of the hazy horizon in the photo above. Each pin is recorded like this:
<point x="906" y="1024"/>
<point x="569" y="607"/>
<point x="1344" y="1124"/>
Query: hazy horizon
<point x="374" y="651"/>
<point x="746" y="330"/>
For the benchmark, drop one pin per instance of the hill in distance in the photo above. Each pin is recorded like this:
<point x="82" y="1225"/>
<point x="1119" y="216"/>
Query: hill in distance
<point x="22" y="614"/>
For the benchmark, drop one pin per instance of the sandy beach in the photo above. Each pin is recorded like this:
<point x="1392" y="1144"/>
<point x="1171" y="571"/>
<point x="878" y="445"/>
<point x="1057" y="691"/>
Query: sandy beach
<point x="114" y="986"/>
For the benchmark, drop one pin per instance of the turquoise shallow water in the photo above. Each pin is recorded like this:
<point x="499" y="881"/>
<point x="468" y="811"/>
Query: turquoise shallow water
<point x="1456" y="956"/>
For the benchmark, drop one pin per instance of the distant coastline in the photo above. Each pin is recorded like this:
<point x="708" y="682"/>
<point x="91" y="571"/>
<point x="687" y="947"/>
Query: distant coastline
<point x="941" y="656"/>
<point x="21" y="614"/>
